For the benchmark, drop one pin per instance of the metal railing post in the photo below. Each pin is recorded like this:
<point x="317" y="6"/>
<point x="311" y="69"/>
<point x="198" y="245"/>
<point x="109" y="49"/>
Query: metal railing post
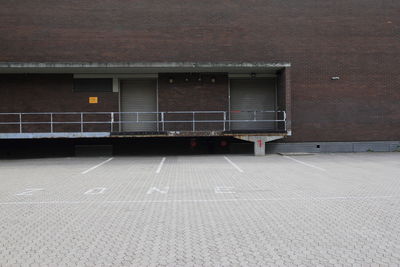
<point x="112" y="121"/>
<point x="20" y="122"/>
<point x="230" y="120"/>
<point x="51" y="122"/>
<point x="193" y="121"/>
<point x="81" y="122"/>
<point x="255" y="115"/>
<point x="284" y="118"/>
<point x="162" y="121"/>
<point x="224" y="121"/>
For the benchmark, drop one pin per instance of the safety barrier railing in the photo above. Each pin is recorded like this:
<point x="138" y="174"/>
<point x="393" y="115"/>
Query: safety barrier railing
<point x="119" y="121"/>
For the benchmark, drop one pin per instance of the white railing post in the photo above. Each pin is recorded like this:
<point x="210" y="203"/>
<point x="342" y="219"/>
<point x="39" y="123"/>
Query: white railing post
<point x="81" y="122"/>
<point x="284" y="118"/>
<point x="112" y="121"/>
<point x="162" y="121"/>
<point x="255" y="115"/>
<point x="224" y="121"/>
<point x="230" y="119"/>
<point x="51" y="122"/>
<point x="193" y="121"/>
<point x="20" y="122"/>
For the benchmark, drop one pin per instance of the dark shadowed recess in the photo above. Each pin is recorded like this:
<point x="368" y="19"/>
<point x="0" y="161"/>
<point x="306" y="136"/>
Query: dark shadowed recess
<point x="32" y="148"/>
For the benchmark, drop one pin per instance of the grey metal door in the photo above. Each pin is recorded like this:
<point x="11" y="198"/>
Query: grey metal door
<point x="139" y="96"/>
<point x="249" y="97"/>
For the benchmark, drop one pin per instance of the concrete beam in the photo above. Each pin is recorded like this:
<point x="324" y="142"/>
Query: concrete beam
<point x="140" y="67"/>
<point x="53" y="135"/>
<point x="259" y="142"/>
<point x="142" y="64"/>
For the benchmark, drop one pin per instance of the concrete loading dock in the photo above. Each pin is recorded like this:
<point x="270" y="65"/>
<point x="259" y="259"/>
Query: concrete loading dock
<point x="240" y="100"/>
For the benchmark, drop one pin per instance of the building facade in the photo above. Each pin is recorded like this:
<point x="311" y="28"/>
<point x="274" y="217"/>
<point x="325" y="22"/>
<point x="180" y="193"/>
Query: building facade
<point x="293" y="71"/>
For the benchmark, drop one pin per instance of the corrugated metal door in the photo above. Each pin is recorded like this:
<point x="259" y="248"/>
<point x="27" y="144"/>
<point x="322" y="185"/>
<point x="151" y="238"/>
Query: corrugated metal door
<point x="139" y="96"/>
<point x="249" y="95"/>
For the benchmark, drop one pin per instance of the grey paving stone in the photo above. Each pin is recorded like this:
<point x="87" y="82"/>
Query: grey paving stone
<point x="329" y="209"/>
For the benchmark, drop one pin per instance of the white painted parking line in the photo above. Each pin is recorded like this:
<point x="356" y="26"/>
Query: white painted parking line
<point x="160" y="165"/>
<point x="233" y="164"/>
<point x="29" y="191"/>
<point x="305" y="164"/>
<point x="95" y="191"/>
<point x="155" y="189"/>
<point x="306" y="199"/>
<point x="224" y="190"/>
<point x="98" y="165"/>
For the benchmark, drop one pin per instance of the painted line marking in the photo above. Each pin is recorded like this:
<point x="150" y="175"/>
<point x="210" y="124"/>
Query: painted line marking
<point x="160" y="165"/>
<point x="98" y="165"/>
<point x="155" y="189"/>
<point x="29" y="191"/>
<point x="95" y="191"/>
<point x="233" y="164"/>
<point x="200" y="200"/>
<point x="305" y="164"/>
<point x="224" y="190"/>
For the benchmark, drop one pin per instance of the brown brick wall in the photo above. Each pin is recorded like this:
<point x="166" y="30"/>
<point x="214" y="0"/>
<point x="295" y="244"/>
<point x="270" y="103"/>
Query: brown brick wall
<point x="50" y="93"/>
<point x="357" y="40"/>
<point x="284" y="96"/>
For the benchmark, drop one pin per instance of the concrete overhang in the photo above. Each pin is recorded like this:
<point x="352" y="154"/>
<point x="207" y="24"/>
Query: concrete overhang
<point x="140" y="67"/>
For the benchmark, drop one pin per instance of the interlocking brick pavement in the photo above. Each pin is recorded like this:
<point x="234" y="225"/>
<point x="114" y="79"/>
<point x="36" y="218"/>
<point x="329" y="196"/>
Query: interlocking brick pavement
<point x="321" y="210"/>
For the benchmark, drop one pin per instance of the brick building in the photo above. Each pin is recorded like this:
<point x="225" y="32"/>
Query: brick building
<point x="314" y="75"/>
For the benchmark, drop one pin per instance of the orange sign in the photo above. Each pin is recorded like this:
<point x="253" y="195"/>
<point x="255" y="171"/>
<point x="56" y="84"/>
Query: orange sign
<point x="93" y="100"/>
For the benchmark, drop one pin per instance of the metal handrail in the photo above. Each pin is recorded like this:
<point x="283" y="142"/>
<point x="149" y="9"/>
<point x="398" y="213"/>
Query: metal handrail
<point x="161" y="118"/>
<point x="140" y="112"/>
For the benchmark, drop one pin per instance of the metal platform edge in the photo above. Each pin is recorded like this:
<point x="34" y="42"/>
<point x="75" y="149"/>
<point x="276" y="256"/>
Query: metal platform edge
<point x="133" y="134"/>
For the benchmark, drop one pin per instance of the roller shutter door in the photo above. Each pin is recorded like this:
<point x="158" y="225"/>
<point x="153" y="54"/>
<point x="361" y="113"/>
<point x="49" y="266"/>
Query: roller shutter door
<point x="253" y="95"/>
<point x="139" y="96"/>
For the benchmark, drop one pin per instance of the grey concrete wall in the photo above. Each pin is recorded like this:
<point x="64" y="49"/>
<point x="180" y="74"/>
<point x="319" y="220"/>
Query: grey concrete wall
<point x="332" y="147"/>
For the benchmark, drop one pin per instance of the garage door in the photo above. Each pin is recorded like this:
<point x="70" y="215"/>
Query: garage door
<point x="139" y="96"/>
<point x="249" y="95"/>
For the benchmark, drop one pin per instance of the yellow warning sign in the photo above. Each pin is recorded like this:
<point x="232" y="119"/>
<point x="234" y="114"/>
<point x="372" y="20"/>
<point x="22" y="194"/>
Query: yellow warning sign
<point x="93" y="100"/>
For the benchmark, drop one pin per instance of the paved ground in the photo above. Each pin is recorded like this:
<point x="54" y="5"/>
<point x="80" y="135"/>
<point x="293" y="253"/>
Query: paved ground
<point x="328" y="209"/>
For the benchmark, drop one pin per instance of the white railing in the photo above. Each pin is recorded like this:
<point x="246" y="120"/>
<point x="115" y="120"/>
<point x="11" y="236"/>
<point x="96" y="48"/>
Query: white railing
<point x="118" y="121"/>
